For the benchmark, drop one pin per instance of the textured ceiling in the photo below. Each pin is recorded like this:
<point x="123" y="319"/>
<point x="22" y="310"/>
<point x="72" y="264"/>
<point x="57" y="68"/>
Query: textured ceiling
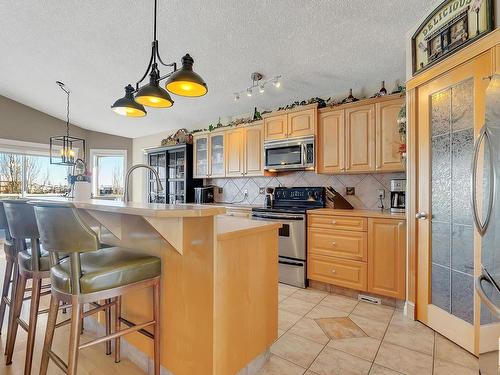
<point x="96" y="47"/>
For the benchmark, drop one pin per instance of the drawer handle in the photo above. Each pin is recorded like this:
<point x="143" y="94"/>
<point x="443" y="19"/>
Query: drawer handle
<point x="334" y="243"/>
<point x="334" y="222"/>
<point x="333" y="271"/>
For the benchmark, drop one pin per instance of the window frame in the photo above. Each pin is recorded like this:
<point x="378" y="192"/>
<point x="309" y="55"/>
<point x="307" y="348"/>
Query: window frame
<point x="95" y="153"/>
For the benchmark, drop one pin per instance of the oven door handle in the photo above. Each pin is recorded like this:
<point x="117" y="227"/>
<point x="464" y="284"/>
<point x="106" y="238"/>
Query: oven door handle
<point x="288" y="263"/>
<point x="280" y="218"/>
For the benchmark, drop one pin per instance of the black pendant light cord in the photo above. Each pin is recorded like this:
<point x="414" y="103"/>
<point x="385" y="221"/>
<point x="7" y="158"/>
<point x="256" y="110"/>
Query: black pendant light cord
<point x="152" y="65"/>
<point x="63" y="87"/>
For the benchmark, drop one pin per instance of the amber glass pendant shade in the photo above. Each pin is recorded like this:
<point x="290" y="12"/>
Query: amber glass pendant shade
<point x="127" y="106"/>
<point x="185" y="82"/>
<point x="152" y="95"/>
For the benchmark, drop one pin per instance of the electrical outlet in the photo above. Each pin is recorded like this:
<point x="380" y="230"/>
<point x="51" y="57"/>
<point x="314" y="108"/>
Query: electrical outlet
<point x="262" y="190"/>
<point x="220" y="190"/>
<point x="350" y="190"/>
<point x="381" y="193"/>
<point x="245" y="193"/>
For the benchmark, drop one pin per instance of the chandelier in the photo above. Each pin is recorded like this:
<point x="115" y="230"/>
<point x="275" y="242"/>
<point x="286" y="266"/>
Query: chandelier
<point x="259" y="82"/>
<point x="183" y="82"/>
<point x="64" y="149"/>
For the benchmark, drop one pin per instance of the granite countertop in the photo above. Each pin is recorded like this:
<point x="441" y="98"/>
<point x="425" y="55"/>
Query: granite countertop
<point x="359" y="213"/>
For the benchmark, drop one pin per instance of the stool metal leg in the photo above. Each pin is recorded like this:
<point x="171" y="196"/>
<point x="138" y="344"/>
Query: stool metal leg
<point x="13" y="324"/>
<point x="5" y="290"/>
<point x="118" y="326"/>
<point x="49" y="334"/>
<point x="74" y="337"/>
<point x="35" y="304"/>
<point x="156" y="318"/>
<point x="108" y="326"/>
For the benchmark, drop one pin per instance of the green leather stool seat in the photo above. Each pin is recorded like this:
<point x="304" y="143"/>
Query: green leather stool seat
<point x="24" y="259"/>
<point x="106" y="269"/>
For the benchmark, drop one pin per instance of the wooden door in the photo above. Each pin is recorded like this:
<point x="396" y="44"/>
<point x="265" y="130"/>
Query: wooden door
<point x="360" y="138"/>
<point x="254" y="154"/>
<point x="450" y="113"/>
<point x="388" y="139"/>
<point x="387" y="257"/>
<point x="331" y="142"/>
<point x="302" y="123"/>
<point x="200" y="157"/>
<point x="275" y="127"/>
<point x="216" y="155"/>
<point x="234" y="153"/>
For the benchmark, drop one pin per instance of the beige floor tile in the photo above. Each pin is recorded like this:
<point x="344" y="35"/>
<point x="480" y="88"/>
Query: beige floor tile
<point x="279" y="366"/>
<point x="340" y="328"/>
<point x="280" y="332"/>
<point x="287" y="319"/>
<point x="335" y="362"/>
<point x="296" y="349"/>
<point x="410" y="334"/>
<point x="372" y="328"/>
<point x="404" y="360"/>
<point x="446" y="368"/>
<point x="379" y="370"/>
<point x="341" y="303"/>
<point x="296" y="306"/>
<point x="282" y="297"/>
<point x="320" y="311"/>
<point x="310" y="295"/>
<point x="362" y="347"/>
<point x="286" y="289"/>
<point x="309" y="329"/>
<point x="309" y="372"/>
<point x="449" y="351"/>
<point x="375" y="312"/>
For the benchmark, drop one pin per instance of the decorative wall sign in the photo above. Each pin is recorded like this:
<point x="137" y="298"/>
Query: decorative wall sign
<point x="451" y="26"/>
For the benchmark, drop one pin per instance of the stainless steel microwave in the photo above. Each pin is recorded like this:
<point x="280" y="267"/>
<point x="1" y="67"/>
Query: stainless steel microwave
<point x="291" y="154"/>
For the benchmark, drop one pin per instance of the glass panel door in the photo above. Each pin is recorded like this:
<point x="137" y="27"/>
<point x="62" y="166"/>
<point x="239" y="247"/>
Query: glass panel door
<point x="201" y="157"/>
<point x="217" y="155"/>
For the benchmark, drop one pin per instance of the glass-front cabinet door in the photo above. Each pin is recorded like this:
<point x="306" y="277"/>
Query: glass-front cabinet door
<point x="201" y="157"/>
<point x="450" y="114"/>
<point x="217" y="165"/>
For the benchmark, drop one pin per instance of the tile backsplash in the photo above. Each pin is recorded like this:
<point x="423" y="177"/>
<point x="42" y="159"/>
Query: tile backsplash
<point x="366" y="186"/>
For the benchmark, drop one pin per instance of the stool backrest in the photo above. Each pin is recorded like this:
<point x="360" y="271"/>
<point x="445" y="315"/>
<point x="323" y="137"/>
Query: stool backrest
<point x="3" y="223"/>
<point x="62" y="230"/>
<point x="21" y="219"/>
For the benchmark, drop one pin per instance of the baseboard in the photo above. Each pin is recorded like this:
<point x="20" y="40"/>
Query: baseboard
<point x="409" y="310"/>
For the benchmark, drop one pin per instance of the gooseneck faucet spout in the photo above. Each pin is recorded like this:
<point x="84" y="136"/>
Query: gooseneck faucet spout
<point x="159" y="186"/>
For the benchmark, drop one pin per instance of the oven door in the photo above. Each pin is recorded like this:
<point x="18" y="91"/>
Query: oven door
<point x="292" y="234"/>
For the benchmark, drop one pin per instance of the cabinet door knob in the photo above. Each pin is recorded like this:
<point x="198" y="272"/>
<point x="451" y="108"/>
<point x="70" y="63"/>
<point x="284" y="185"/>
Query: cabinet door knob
<point x="334" y="222"/>
<point x="333" y="271"/>
<point x="421" y="215"/>
<point x="334" y="243"/>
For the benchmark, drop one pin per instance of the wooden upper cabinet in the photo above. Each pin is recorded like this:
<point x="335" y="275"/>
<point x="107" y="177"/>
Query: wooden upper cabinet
<point x="388" y="139"/>
<point x="330" y="142"/>
<point x="302" y="123"/>
<point x="253" y="147"/>
<point x="360" y="138"/>
<point x="276" y="127"/>
<point x="235" y="153"/>
<point x="387" y="257"/>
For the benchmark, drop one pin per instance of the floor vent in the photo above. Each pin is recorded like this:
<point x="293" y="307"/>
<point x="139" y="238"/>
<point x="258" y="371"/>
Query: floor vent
<point x="369" y="299"/>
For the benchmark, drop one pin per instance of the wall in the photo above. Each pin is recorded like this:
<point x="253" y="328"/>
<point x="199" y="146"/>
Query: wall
<point x="22" y="123"/>
<point x="366" y="186"/>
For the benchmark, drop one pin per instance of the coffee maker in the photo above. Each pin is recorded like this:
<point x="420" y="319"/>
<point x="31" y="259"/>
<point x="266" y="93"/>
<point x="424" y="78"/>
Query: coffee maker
<point x="398" y="190"/>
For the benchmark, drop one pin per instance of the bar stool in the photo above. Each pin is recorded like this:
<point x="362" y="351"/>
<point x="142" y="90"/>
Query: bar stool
<point x="10" y="268"/>
<point x="91" y="274"/>
<point x="33" y="263"/>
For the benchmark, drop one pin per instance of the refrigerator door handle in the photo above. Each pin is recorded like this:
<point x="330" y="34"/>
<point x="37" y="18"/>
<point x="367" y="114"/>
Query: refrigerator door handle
<point x="482" y="227"/>
<point x="484" y="297"/>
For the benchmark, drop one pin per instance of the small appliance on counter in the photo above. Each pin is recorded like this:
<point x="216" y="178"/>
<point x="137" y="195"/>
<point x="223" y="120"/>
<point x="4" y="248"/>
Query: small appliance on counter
<point x="269" y="200"/>
<point x="290" y="209"/>
<point x="336" y="200"/>
<point x="398" y="190"/>
<point x="204" y="194"/>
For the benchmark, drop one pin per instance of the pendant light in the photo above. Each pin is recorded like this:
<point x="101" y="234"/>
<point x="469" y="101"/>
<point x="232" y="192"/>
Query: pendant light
<point x="183" y="81"/>
<point x="64" y="149"/>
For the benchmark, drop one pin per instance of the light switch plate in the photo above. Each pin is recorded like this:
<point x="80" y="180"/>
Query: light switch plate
<point x="381" y="193"/>
<point x="262" y="190"/>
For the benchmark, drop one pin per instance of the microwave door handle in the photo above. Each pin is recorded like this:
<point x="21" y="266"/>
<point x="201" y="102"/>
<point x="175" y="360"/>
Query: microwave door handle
<point x="482" y="227"/>
<point x="304" y="153"/>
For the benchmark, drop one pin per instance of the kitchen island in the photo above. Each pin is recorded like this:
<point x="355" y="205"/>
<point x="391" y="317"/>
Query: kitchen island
<point x="219" y="283"/>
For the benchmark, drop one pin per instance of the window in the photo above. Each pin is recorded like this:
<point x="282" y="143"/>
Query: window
<point x="108" y="172"/>
<point x="31" y="175"/>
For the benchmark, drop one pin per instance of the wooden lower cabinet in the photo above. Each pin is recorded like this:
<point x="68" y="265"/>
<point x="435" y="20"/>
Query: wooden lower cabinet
<point x="387" y="257"/>
<point x="363" y="253"/>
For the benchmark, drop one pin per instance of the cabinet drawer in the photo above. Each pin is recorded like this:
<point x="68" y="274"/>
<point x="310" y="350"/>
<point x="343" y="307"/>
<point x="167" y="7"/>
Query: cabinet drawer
<point x="338" y="243"/>
<point x="342" y="272"/>
<point x="338" y="222"/>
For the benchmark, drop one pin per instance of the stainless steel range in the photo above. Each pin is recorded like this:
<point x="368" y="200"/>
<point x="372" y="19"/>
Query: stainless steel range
<point x="290" y="207"/>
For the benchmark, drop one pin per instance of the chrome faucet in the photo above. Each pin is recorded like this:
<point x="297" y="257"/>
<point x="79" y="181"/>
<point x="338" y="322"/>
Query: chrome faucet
<point x="159" y="186"/>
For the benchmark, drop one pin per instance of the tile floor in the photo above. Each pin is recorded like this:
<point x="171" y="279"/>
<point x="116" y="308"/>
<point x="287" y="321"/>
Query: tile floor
<point x="328" y="334"/>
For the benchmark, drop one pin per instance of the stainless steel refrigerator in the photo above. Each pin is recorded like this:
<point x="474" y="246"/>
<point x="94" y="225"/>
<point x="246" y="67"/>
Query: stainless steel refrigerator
<point x="486" y="209"/>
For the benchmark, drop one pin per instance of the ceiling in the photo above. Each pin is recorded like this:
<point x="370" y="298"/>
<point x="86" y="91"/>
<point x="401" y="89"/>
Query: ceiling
<point x="321" y="47"/>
